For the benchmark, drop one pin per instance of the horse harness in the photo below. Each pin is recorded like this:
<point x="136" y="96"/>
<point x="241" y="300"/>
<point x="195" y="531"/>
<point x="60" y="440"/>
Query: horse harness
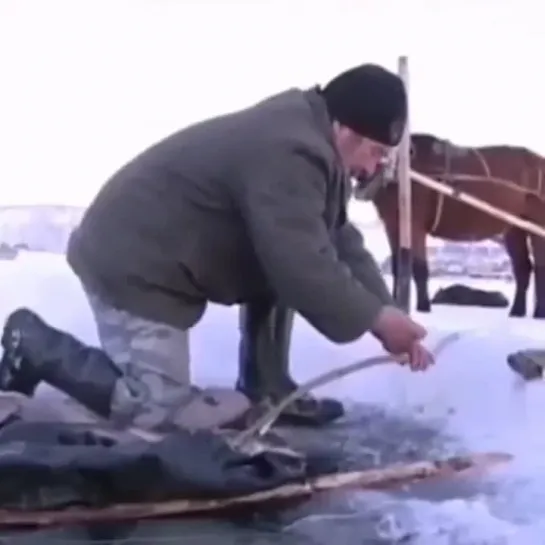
<point x="446" y="176"/>
<point x="453" y="180"/>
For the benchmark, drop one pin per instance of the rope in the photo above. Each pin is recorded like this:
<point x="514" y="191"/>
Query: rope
<point x="263" y="424"/>
<point x="439" y="208"/>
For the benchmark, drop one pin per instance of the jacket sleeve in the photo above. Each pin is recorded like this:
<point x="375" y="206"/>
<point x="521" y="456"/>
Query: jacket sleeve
<point x="351" y="249"/>
<point x="283" y="205"/>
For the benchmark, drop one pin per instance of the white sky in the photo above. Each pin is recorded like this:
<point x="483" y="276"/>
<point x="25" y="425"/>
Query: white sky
<point x="85" y="84"/>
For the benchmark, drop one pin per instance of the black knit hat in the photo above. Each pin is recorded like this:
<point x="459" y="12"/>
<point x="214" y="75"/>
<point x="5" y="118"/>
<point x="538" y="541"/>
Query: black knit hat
<point x="369" y="100"/>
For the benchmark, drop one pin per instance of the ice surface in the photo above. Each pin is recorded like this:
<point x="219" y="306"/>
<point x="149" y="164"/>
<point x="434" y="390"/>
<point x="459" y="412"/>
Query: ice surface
<point x="471" y="399"/>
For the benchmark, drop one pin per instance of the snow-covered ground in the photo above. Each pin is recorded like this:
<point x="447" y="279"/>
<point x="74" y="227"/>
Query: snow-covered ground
<point x="470" y="397"/>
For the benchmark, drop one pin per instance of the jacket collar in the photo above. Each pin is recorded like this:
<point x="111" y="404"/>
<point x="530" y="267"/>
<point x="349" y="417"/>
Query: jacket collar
<point x="323" y="120"/>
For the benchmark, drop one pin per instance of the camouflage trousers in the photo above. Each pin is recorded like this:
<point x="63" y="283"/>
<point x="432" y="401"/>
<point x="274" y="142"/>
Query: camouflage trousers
<point x="155" y="390"/>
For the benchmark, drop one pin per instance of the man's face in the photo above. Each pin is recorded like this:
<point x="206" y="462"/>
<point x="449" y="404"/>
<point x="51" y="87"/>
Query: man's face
<point x="361" y="156"/>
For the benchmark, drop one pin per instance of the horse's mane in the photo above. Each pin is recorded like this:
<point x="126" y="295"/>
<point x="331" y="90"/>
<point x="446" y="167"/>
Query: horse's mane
<point x="426" y="140"/>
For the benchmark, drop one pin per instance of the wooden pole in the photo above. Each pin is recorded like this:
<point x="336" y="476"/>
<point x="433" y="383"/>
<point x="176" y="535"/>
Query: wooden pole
<point x="402" y="287"/>
<point x="479" y="204"/>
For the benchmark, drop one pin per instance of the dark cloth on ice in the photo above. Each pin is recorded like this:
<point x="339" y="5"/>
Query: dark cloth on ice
<point x="459" y="294"/>
<point x="53" y="465"/>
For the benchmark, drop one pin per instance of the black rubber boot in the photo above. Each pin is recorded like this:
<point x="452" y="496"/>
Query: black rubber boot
<point x="264" y="366"/>
<point x="36" y="352"/>
<point x="529" y="364"/>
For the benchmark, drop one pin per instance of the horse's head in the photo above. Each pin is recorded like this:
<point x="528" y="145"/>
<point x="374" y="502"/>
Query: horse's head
<point x="428" y="154"/>
<point x="433" y="155"/>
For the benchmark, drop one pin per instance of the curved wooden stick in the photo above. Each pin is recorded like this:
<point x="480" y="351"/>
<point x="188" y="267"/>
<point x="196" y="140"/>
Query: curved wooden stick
<point x="264" y="423"/>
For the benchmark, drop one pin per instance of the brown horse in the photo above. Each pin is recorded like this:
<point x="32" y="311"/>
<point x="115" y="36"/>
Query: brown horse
<point x="509" y="178"/>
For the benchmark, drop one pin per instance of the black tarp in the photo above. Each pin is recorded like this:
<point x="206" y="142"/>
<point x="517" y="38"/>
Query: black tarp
<point x="55" y="465"/>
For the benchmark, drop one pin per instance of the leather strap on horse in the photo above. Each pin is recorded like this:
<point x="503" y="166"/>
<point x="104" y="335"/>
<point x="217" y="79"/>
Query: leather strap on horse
<point x="451" y="178"/>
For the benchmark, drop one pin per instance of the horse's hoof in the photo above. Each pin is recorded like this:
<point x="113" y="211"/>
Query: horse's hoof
<point x="423" y="308"/>
<point x="518" y="308"/>
<point x="539" y="315"/>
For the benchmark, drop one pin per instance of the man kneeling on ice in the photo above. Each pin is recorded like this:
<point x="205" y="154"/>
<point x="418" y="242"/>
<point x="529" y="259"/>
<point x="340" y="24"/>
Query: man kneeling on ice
<point x="248" y="208"/>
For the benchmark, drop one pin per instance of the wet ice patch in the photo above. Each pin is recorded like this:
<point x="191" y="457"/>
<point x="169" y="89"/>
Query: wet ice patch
<point x="452" y="522"/>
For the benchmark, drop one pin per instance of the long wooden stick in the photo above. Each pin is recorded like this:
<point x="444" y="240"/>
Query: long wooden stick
<point x="388" y="477"/>
<point x="477" y="203"/>
<point x="404" y="258"/>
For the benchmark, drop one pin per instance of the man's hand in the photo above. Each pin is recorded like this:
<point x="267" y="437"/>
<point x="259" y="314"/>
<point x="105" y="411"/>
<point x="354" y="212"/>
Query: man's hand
<point x="419" y="358"/>
<point x="401" y="336"/>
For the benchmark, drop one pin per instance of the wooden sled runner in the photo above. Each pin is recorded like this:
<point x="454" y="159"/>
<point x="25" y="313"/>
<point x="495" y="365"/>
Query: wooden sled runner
<point x="389" y="477"/>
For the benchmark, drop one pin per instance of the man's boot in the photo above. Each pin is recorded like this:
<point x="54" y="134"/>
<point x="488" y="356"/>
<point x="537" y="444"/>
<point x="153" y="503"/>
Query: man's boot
<point x="35" y="352"/>
<point x="264" y="376"/>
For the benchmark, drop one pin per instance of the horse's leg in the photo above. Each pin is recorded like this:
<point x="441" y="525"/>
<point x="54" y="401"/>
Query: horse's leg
<point x="516" y="244"/>
<point x="538" y="251"/>
<point x="421" y="271"/>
